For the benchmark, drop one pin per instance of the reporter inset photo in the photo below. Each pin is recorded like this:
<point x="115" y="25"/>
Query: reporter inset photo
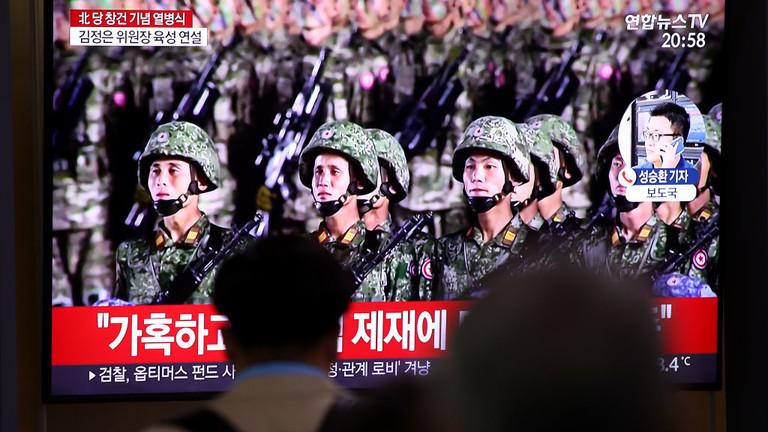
<point x="665" y="137"/>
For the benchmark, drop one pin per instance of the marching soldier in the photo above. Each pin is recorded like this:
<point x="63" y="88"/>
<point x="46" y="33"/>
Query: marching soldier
<point x="567" y="161"/>
<point x="178" y="164"/>
<point x="494" y="164"/>
<point x="411" y="261"/>
<point x="634" y="244"/>
<point x="338" y="165"/>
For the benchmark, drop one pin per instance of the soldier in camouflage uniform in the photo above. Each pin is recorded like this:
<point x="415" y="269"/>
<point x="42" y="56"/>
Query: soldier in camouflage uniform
<point x="177" y="165"/>
<point x="338" y="165"/>
<point x="699" y="213"/>
<point x="412" y="260"/>
<point x="81" y="251"/>
<point x="635" y="243"/>
<point x="493" y="162"/>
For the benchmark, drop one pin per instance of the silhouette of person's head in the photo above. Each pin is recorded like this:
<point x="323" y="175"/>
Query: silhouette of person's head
<point x="557" y="351"/>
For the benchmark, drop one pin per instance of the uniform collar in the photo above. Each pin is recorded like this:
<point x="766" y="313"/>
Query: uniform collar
<point x="706" y="212"/>
<point x="385" y="226"/>
<point x="193" y="236"/>
<point x="506" y="238"/>
<point x="352" y="237"/>
<point x="642" y="236"/>
<point x="537" y="222"/>
<point x="559" y="215"/>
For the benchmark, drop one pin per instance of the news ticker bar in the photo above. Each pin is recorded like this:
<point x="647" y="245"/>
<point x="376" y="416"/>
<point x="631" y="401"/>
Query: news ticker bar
<point x="83" y="380"/>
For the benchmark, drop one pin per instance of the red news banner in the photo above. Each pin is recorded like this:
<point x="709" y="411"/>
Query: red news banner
<point x="401" y="330"/>
<point x="129" y="18"/>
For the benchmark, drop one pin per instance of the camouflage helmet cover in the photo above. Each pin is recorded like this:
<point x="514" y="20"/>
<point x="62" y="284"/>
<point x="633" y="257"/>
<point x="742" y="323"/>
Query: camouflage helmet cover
<point x="564" y="137"/>
<point x="498" y="135"/>
<point x="606" y="154"/>
<point x="346" y="139"/>
<point x="392" y="156"/>
<point x="717" y="113"/>
<point x="186" y="141"/>
<point x="714" y="133"/>
<point x="541" y="150"/>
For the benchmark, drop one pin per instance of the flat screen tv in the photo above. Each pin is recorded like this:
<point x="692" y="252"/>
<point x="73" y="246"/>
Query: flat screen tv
<point x="261" y="81"/>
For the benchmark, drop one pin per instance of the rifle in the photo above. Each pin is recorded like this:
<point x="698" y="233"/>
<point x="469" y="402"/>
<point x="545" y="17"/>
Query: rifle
<point x="557" y="90"/>
<point x="361" y="269"/>
<point x="676" y="76"/>
<point x="433" y="106"/>
<point x="673" y="260"/>
<point x="281" y="149"/>
<point x="185" y="283"/>
<point x="195" y="107"/>
<point x="68" y="107"/>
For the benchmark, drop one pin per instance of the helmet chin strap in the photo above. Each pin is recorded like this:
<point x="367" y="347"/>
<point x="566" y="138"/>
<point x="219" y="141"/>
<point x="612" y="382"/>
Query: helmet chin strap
<point x="621" y="203"/>
<point x="330" y="208"/>
<point x="171" y="207"/>
<point x="482" y="204"/>
<point x="365" y="205"/>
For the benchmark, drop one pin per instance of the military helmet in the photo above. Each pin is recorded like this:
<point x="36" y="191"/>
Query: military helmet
<point x="186" y="141"/>
<point x="717" y="113"/>
<point x="564" y="137"/>
<point x="714" y="133"/>
<point x="542" y="154"/>
<point x="392" y="156"/>
<point x="605" y="156"/>
<point x="498" y="135"/>
<point x="345" y="139"/>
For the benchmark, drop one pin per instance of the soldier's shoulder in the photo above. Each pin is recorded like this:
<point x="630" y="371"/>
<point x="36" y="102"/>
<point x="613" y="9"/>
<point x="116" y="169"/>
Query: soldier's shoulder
<point x="132" y="247"/>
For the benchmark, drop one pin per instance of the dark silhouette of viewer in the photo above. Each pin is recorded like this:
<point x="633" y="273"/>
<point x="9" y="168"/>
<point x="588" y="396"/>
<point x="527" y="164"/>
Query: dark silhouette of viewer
<point x="284" y="297"/>
<point x="557" y="351"/>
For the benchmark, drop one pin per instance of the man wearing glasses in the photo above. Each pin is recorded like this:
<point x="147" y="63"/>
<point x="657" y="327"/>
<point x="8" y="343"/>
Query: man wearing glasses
<point x="665" y="137"/>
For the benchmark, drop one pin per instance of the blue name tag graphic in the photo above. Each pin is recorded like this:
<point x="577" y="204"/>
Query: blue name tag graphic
<point x="666" y="176"/>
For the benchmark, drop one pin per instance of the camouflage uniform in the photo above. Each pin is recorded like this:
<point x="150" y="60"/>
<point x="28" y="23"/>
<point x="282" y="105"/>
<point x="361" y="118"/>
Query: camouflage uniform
<point x="81" y="252"/>
<point x="606" y="252"/>
<point x="462" y="257"/>
<point x="148" y="265"/>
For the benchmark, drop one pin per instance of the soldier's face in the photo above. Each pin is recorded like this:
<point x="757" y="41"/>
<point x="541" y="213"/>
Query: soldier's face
<point x="483" y="175"/>
<point x="617" y="164"/>
<point x="331" y="177"/>
<point x="522" y="190"/>
<point x="168" y="179"/>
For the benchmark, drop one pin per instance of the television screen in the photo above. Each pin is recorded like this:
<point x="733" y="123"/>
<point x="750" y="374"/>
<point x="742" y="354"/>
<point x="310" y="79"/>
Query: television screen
<point x="176" y="134"/>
